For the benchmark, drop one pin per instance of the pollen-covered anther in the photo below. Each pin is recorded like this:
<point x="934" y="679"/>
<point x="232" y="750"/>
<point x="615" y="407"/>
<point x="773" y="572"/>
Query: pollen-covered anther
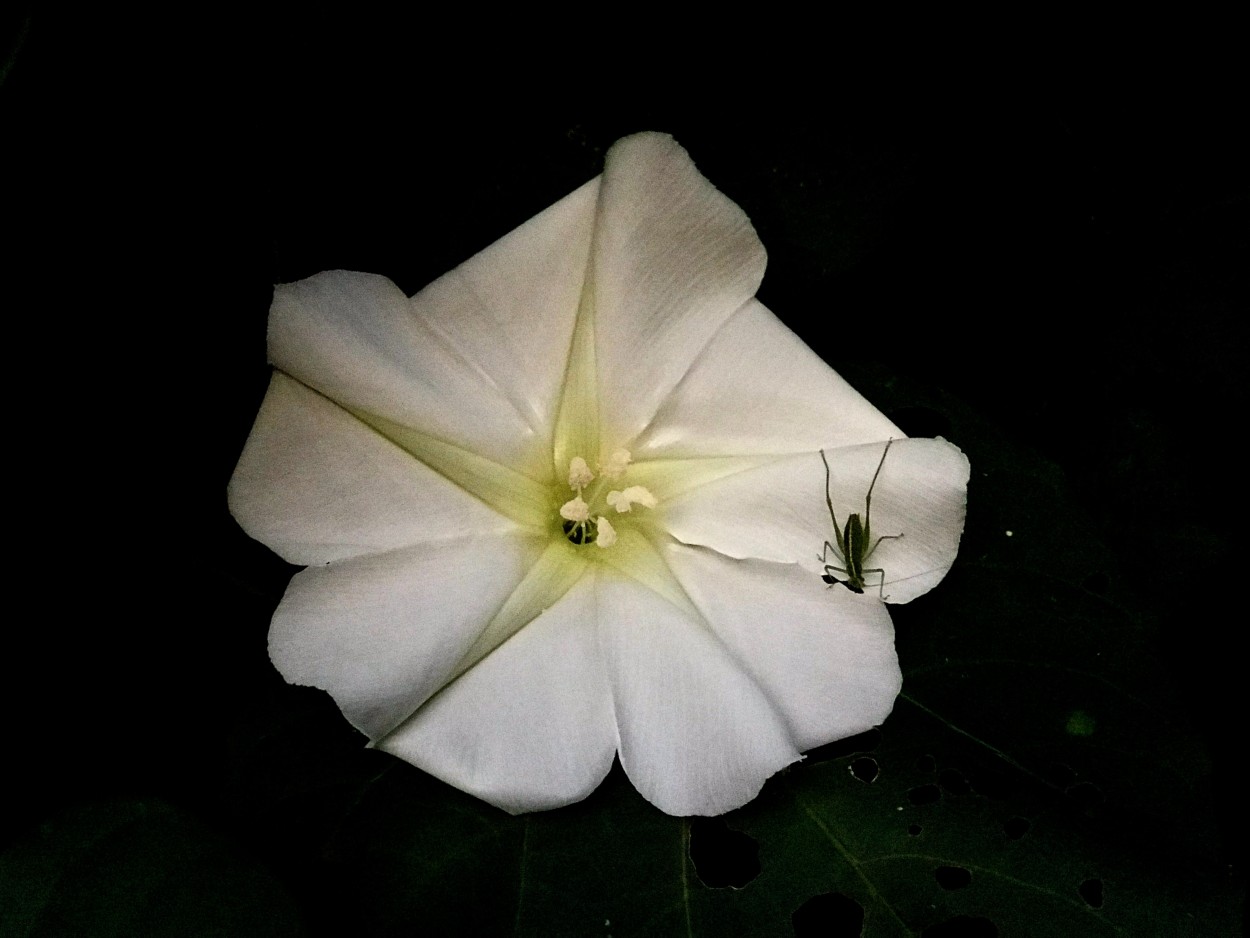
<point x="575" y="510"/>
<point x="580" y="475"/>
<point x="616" y="465"/>
<point x="607" y="533"/>
<point x="634" y="495"/>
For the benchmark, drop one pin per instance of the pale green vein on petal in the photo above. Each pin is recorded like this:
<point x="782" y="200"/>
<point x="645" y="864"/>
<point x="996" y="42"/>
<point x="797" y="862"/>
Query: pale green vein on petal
<point x="669" y="478"/>
<point x="552" y="576"/>
<point x="577" y="423"/>
<point x="507" y="491"/>
<point x="636" y="557"/>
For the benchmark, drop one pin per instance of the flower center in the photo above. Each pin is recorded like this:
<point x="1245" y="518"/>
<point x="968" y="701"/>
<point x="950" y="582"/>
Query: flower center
<point x="584" y="517"/>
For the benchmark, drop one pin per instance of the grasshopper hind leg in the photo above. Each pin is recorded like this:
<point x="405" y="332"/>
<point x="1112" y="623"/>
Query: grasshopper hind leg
<point x="881" y="582"/>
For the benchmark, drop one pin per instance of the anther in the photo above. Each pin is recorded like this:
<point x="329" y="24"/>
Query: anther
<point x="635" y="494"/>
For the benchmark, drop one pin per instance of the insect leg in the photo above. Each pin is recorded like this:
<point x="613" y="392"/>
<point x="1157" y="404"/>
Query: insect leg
<point x="837" y="533"/>
<point x="883" y="537"/>
<point x="881" y="585"/>
<point x="830" y="578"/>
<point x="871" y="485"/>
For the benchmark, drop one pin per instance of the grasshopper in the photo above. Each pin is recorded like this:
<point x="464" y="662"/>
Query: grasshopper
<point x="855" y="544"/>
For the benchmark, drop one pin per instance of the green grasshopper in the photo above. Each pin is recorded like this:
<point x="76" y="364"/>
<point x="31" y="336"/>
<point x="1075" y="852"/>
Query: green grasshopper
<point x="855" y="544"/>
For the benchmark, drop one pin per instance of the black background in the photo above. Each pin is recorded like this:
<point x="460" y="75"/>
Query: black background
<point x="1062" y="254"/>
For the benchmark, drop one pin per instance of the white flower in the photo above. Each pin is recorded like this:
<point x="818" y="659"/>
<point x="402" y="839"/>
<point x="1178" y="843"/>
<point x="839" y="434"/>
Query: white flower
<point x="468" y="604"/>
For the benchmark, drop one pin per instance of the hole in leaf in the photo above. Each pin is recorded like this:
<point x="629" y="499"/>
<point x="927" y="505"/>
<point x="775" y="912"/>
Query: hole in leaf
<point x="926" y="764"/>
<point x="723" y="856"/>
<point x="963" y="926"/>
<point x="865" y="769"/>
<point x="1016" y="827"/>
<point x="914" y="830"/>
<point x="952" y="877"/>
<point x="953" y="781"/>
<point x="1086" y="794"/>
<point x="1091" y="892"/>
<point x="830" y="913"/>
<point x="925" y="794"/>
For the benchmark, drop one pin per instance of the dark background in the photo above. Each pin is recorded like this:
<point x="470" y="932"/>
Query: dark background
<point x="1060" y="259"/>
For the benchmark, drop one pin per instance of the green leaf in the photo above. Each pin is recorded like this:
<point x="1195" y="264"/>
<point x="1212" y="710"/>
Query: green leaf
<point x="136" y="868"/>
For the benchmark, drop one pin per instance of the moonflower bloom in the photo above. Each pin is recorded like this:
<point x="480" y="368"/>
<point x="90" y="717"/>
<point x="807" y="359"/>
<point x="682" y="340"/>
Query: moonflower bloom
<point x="567" y="502"/>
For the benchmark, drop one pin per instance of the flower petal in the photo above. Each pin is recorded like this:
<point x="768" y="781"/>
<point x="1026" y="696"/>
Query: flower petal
<point x="758" y="390"/>
<point x="673" y="259"/>
<point x="825" y="656"/>
<point x="384" y="632"/>
<point x="698" y="735"/>
<point x="779" y="510"/>
<point x="316" y="485"/>
<point x="529" y="727"/>
<point x="475" y="359"/>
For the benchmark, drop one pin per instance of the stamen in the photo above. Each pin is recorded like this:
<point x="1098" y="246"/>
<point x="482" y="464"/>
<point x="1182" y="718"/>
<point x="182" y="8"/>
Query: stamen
<point x="580" y="475"/>
<point x="575" y="510"/>
<point x="607" y="533"/>
<point x="635" y="494"/>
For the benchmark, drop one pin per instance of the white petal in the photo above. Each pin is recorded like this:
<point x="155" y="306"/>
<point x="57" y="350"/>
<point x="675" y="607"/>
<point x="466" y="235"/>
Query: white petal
<point x="315" y="484"/>
<point x="698" y="735"/>
<point x="529" y="727"/>
<point x="826" y="656"/>
<point x="780" y="513"/>
<point x="673" y="259"/>
<point x="475" y="359"/>
<point x="758" y="390"/>
<point x="384" y="632"/>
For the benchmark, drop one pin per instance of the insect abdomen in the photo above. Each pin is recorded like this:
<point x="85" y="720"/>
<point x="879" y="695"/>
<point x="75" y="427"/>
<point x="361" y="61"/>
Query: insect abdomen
<point x="853" y="541"/>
